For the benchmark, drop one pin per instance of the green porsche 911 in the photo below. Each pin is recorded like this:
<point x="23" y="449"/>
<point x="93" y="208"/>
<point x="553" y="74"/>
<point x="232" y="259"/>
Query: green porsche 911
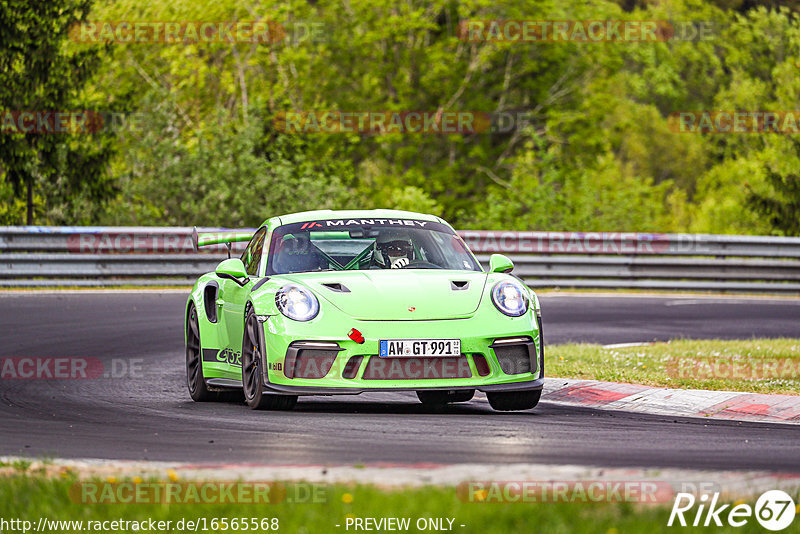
<point x="343" y="302"/>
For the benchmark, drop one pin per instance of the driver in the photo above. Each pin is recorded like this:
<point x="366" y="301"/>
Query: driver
<point x="394" y="249"/>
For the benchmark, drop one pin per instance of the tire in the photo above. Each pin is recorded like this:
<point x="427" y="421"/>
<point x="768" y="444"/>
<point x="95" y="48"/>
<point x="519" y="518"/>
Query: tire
<point x="438" y="397"/>
<point x="507" y="401"/>
<point x="195" y="381"/>
<point x="252" y="375"/>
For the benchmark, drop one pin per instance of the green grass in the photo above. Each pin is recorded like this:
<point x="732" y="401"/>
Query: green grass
<point x="756" y="365"/>
<point x="31" y="497"/>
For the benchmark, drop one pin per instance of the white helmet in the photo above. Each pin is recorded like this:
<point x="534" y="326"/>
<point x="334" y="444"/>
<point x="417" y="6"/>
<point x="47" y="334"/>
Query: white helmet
<point x="394" y="248"/>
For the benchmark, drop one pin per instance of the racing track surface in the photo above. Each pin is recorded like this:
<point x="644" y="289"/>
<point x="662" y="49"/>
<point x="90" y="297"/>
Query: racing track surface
<point x="150" y="416"/>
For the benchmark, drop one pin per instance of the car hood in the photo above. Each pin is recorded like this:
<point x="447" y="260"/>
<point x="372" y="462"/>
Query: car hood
<point x="399" y="294"/>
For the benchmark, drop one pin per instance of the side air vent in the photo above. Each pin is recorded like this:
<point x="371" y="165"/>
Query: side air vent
<point x="337" y="287"/>
<point x="459" y="285"/>
<point x="210" y="301"/>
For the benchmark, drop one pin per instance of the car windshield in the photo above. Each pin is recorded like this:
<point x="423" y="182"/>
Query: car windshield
<point x="361" y="244"/>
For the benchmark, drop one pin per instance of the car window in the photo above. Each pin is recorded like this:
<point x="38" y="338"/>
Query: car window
<point x="339" y="245"/>
<point x="251" y="257"/>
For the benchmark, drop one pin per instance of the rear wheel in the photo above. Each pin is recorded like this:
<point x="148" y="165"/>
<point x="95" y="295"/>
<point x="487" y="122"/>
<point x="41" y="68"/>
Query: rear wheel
<point x="506" y="401"/>
<point x="252" y="371"/>
<point x="445" y="397"/>
<point x="195" y="380"/>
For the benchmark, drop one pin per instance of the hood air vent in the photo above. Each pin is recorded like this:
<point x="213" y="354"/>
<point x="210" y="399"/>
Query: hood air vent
<point x="336" y="286"/>
<point x="459" y="285"/>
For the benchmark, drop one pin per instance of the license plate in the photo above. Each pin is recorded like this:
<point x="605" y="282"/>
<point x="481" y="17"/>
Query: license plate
<point x="410" y="348"/>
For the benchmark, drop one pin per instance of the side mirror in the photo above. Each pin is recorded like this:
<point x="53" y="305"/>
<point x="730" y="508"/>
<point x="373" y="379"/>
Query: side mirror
<point x="232" y="269"/>
<point x="500" y="264"/>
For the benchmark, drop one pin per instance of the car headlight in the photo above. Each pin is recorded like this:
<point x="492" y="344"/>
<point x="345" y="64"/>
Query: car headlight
<point x="510" y="298"/>
<point x="297" y="303"/>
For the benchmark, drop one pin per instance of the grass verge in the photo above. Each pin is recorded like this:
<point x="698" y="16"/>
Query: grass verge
<point x="30" y="497"/>
<point x="756" y="365"/>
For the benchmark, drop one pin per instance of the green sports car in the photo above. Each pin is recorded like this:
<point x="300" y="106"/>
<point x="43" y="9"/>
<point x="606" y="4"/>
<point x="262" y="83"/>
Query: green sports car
<point x="342" y="302"/>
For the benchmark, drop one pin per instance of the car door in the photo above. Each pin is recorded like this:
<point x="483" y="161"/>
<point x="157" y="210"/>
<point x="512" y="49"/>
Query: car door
<point x="234" y="297"/>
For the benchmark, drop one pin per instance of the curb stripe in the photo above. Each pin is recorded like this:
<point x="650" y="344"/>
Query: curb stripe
<point x="729" y="405"/>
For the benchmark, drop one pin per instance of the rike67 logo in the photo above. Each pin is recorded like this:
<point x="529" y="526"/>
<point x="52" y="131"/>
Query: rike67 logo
<point x="774" y="510"/>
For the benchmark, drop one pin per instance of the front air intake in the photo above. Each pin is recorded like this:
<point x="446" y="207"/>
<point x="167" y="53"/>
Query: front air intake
<point x="351" y="368"/>
<point x="310" y="359"/>
<point x="313" y="363"/>
<point x="515" y="356"/>
<point x="481" y="365"/>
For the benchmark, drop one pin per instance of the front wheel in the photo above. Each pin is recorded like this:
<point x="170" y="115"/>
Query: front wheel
<point x="252" y="374"/>
<point x="195" y="380"/>
<point x="507" y="401"/>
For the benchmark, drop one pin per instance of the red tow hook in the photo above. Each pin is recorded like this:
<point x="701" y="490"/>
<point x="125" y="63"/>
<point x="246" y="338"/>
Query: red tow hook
<point x="356" y="336"/>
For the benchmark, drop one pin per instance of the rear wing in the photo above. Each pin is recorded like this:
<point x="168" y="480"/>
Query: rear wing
<point x="221" y="237"/>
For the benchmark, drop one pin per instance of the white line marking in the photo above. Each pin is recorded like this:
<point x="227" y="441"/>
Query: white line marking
<point x="694" y="302"/>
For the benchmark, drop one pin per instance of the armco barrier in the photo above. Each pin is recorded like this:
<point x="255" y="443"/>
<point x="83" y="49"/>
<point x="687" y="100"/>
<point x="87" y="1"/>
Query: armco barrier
<point x="113" y="256"/>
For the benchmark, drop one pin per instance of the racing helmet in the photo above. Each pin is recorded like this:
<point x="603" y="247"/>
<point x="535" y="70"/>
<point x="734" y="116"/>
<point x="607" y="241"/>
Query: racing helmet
<point x="393" y="244"/>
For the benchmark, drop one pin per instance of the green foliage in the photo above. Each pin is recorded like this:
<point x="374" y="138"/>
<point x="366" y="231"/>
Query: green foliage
<point x="783" y="209"/>
<point x="721" y="196"/>
<point x="40" y="73"/>
<point x="234" y="175"/>
<point x="12" y="208"/>
<point x="605" y="196"/>
<point x="754" y="366"/>
<point x="590" y="147"/>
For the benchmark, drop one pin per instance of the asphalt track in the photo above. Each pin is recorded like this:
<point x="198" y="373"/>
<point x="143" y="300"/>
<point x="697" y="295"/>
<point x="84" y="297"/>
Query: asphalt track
<point x="150" y="416"/>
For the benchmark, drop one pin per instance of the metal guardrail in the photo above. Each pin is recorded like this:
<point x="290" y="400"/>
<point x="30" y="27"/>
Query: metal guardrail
<point x="114" y="256"/>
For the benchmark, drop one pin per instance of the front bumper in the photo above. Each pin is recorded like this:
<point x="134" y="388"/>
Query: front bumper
<point x="478" y="333"/>
<point x="532" y="385"/>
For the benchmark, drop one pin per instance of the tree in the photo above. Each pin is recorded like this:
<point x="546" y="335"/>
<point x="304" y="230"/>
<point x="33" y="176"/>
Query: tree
<point x="41" y="75"/>
<point x="783" y="209"/>
<point x="581" y="137"/>
<point x="227" y="173"/>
